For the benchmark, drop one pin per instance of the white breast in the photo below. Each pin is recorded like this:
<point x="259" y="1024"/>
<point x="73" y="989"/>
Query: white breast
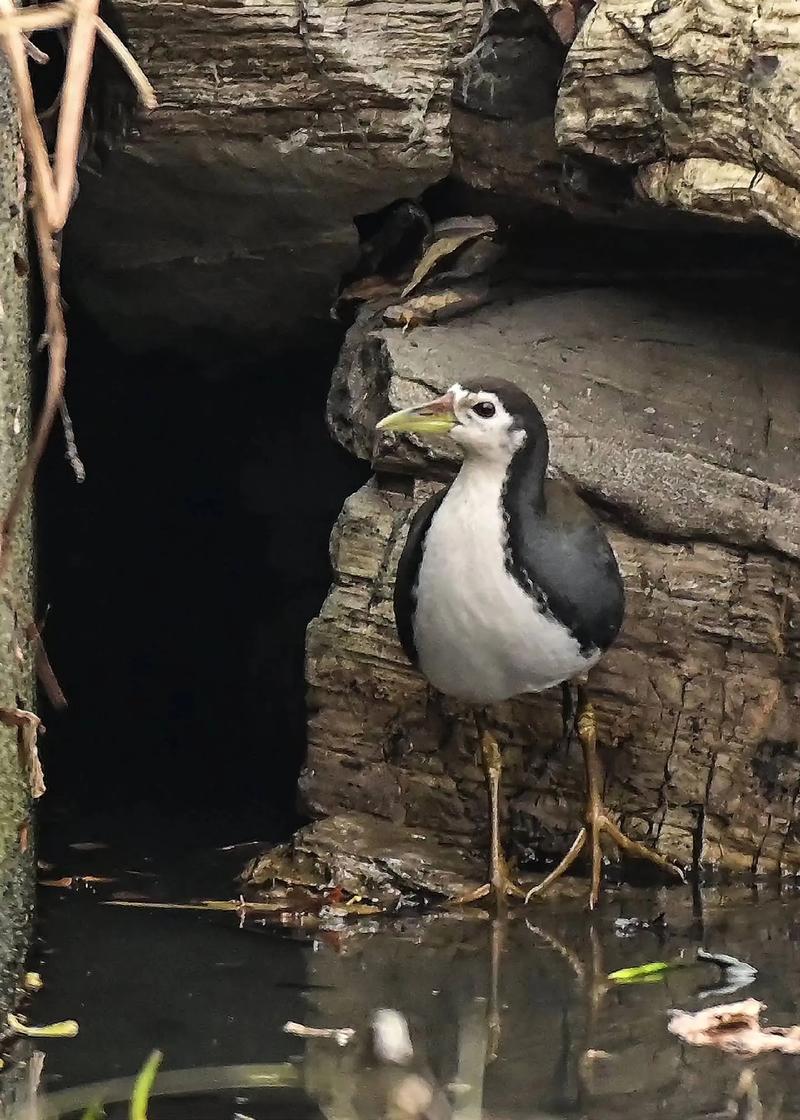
<point x="479" y="637"/>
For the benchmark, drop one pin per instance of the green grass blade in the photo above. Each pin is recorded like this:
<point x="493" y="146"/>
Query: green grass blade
<point x="144" y="1086"/>
<point x="94" y="1112"/>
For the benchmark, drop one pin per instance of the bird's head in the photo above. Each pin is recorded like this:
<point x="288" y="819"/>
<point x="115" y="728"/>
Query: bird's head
<point x="487" y="417"/>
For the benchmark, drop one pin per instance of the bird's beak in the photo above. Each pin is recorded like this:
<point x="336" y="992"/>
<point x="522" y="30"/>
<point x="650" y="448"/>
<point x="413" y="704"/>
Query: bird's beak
<point x="435" y="418"/>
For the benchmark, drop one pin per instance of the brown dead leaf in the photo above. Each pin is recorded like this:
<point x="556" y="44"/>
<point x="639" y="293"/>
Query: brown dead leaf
<point x="433" y="307"/>
<point x="370" y="287"/>
<point x="29" y="727"/>
<point x="734" y="1028"/>
<point x="443" y="247"/>
<point x="75" y="881"/>
<point x="563" y="19"/>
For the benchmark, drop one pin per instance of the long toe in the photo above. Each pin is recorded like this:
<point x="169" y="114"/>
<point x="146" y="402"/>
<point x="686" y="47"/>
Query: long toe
<point x="633" y="848"/>
<point x="507" y="888"/>
<point x="637" y="850"/>
<point x="471" y="896"/>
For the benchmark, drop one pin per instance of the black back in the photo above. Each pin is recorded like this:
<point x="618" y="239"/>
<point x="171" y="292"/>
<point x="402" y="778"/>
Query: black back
<point x="557" y="551"/>
<point x="408" y="571"/>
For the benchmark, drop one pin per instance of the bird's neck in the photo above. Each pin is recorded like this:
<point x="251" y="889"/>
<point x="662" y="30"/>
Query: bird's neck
<point x="520" y="470"/>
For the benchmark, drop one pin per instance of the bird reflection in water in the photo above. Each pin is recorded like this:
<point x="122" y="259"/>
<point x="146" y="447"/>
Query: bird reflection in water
<point x="383" y="1073"/>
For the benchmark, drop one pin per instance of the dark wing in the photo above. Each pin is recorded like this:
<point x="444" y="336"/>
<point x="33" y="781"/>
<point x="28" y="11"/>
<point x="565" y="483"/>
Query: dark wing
<point x="564" y="553"/>
<point x="408" y="570"/>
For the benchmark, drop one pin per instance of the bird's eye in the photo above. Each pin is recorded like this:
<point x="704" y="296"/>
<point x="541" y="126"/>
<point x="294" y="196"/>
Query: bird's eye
<point x="485" y="409"/>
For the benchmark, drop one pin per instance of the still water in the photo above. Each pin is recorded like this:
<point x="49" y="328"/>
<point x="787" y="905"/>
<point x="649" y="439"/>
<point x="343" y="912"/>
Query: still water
<point x="509" y="1018"/>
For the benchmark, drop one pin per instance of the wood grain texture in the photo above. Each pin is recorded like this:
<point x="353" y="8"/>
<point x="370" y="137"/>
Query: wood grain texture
<point x="699" y="99"/>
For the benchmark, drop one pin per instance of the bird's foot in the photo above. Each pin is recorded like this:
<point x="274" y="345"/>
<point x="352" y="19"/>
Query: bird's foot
<point x="501" y="887"/>
<point x="597" y="818"/>
<point x="599" y="822"/>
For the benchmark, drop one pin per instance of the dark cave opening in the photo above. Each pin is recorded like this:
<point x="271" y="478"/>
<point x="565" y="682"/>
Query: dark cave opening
<point x="177" y="582"/>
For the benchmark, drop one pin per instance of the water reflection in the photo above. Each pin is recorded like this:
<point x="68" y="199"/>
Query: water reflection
<point x="509" y="1017"/>
<point x="519" y="1019"/>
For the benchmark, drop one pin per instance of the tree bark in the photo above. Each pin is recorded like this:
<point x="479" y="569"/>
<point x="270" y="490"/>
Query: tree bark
<point x="682" y="429"/>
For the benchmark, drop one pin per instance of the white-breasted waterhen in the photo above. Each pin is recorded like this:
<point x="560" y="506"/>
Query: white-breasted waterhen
<point x="507" y="584"/>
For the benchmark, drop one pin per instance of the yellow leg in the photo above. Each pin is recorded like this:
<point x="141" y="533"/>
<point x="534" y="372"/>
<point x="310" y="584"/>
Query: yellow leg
<point x="597" y="819"/>
<point x="500" y="883"/>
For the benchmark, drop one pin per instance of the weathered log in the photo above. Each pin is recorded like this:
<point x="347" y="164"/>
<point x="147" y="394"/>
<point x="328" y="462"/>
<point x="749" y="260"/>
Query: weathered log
<point x="649" y="115"/>
<point x="698" y="101"/>
<point x="230" y="213"/>
<point x="683" y="427"/>
<point x="279" y="122"/>
<point x="16" y="584"/>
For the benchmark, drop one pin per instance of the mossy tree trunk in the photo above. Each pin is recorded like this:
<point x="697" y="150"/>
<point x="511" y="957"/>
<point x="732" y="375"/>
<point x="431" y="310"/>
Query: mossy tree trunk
<point x="16" y="676"/>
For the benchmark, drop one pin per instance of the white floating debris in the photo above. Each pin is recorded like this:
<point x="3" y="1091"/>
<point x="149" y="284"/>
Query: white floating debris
<point x="340" y="1035"/>
<point x="391" y="1039"/>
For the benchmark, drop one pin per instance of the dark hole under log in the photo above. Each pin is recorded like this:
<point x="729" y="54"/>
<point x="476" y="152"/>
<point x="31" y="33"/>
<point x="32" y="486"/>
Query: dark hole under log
<point x="177" y="581"/>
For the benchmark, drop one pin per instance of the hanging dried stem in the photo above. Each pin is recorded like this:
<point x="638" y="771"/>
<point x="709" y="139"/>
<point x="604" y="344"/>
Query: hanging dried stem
<point x="147" y="95"/>
<point x="56" y="335"/>
<point x="53" y="190"/>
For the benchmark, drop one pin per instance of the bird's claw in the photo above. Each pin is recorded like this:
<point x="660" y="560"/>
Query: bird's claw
<point x="599" y="822"/>
<point x="501" y="887"/>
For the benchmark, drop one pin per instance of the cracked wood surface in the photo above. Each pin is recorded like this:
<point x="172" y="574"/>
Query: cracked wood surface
<point x="280" y="120"/>
<point x="661" y="411"/>
<point x="699" y="99"/>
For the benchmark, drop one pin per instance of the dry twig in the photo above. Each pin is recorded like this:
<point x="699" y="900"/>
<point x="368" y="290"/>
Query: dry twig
<point x="53" y="189"/>
<point x="44" y="670"/>
<point x="340" y="1035"/>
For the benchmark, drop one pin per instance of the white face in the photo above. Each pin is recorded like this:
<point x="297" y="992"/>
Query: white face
<point x="484" y="429"/>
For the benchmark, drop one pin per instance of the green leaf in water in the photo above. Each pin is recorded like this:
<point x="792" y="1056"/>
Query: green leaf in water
<point x="144" y="1086"/>
<point x="641" y="972"/>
